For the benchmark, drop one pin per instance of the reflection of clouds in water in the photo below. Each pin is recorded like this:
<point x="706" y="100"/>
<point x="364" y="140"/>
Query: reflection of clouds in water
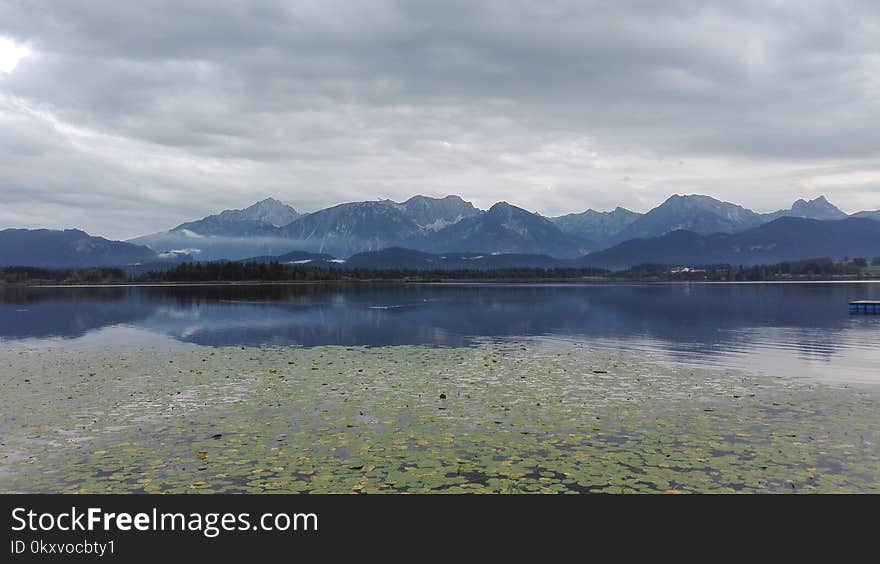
<point x="810" y="343"/>
<point x="313" y="326"/>
<point x="846" y="355"/>
<point x="111" y="335"/>
<point x="780" y="329"/>
<point x="178" y="313"/>
<point x="188" y="332"/>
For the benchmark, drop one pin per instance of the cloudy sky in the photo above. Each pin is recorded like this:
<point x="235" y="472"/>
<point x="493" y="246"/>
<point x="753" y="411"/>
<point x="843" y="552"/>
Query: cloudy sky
<point x="124" y="118"/>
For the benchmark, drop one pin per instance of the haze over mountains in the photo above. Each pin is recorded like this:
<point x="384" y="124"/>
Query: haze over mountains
<point x="691" y="229"/>
<point x="228" y="234"/>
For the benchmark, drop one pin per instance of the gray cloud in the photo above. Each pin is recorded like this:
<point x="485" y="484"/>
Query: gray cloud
<point x="131" y="117"/>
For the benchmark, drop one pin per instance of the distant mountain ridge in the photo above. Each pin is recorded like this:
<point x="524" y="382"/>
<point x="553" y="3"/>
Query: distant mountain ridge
<point x="433" y="214"/>
<point x="784" y="239"/>
<point x="701" y="214"/>
<point x="875" y="215"/>
<point x="596" y="226"/>
<point x="68" y="248"/>
<point x="505" y="228"/>
<point x="447" y="225"/>
<point x="343" y="229"/>
<point x="228" y="234"/>
<point x="351" y="228"/>
<point x="259" y="219"/>
<point x="818" y="208"/>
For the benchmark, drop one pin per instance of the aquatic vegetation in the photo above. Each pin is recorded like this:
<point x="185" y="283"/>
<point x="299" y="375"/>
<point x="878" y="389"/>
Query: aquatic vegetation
<point x="525" y="416"/>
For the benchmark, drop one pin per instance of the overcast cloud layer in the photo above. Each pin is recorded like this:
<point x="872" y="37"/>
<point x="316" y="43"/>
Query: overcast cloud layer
<point x="130" y="117"/>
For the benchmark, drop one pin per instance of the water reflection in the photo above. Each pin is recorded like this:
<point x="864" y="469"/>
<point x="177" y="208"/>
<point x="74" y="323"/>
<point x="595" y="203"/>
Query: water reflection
<point x="754" y="325"/>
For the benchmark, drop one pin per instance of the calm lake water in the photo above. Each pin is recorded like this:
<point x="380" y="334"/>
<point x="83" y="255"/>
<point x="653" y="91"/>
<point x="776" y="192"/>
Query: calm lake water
<point x="786" y="329"/>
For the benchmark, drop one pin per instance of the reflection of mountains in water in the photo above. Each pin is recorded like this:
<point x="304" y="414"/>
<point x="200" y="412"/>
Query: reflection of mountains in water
<point x="67" y="313"/>
<point x="701" y="317"/>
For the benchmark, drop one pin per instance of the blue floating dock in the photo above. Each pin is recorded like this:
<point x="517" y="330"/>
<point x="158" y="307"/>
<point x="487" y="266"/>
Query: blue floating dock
<point x="865" y="306"/>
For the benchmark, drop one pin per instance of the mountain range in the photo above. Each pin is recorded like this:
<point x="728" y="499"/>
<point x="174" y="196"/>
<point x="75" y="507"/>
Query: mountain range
<point x="451" y="224"/>
<point x="229" y="234"/>
<point x="596" y="226"/>
<point x="70" y="248"/>
<point x="691" y="229"/>
<point x="783" y="239"/>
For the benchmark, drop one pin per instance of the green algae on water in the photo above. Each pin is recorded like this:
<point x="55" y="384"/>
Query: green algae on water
<point x="514" y="417"/>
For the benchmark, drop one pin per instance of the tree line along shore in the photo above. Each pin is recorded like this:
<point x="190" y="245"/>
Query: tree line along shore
<point x="227" y="271"/>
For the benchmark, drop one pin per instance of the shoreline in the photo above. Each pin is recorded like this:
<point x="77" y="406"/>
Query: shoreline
<point x="459" y="281"/>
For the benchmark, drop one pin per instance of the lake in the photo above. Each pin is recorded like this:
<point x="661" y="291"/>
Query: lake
<point x="359" y="388"/>
<point x="781" y="329"/>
